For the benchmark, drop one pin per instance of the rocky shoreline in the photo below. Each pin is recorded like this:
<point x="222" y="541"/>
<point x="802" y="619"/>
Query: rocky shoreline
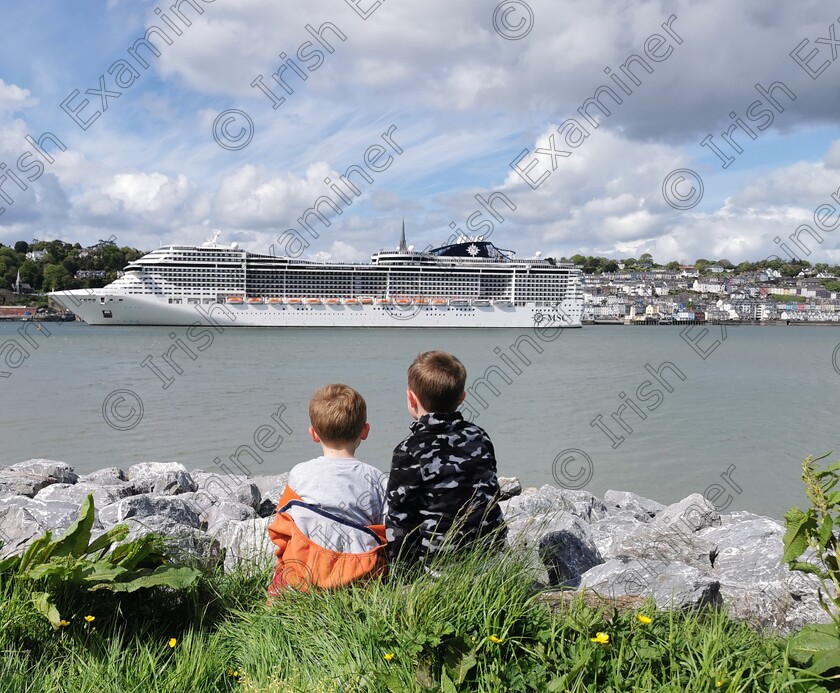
<point x="622" y="546"/>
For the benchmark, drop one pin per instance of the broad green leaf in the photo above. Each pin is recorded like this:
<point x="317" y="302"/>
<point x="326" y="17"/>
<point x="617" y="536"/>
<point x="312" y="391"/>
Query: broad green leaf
<point x="132" y="554"/>
<point x="55" y="568"/>
<point x="112" y="536"/>
<point x="831" y="469"/>
<point x="102" y="571"/>
<point x="75" y="540"/>
<point x="816" y="638"/>
<point x="10" y="564"/>
<point x="393" y="683"/>
<point x="799" y="526"/>
<point x="44" y="605"/>
<point x="826" y="531"/>
<point x="826" y="660"/>
<point x="446" y="685"/>
<point x="803" y="567"/>
<point x="163" y="576"/>
<point x="459" y="659"/>
<point x="38" y="551"/>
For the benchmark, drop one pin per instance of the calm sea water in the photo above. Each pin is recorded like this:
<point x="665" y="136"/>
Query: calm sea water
<point x="760" y="401"/>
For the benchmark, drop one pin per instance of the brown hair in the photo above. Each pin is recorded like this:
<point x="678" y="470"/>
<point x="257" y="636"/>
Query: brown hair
<point x="337" y="413"/>
<point x="438" y="379"/>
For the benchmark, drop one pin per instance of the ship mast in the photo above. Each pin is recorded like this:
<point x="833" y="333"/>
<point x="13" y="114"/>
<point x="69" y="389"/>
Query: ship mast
<point x="402" y="248"/>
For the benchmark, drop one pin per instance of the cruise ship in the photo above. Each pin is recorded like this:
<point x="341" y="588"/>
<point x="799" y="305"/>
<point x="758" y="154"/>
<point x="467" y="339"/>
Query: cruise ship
<point x="468" y="283"/>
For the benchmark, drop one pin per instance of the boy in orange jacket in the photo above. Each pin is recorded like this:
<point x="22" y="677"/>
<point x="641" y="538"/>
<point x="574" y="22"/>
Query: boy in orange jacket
<point x="328" y="528"/>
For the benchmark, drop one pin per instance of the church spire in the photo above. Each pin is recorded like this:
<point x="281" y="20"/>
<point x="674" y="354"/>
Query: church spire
<point x="402" y="248"/>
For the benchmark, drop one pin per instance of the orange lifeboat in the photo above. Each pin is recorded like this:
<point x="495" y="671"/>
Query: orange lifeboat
<point x="293" y="301"/>
<point x="254" y="300"/>
<point x="274" y="300"/>
<point x="235" y="299"/>
<point x="312" y="301"/>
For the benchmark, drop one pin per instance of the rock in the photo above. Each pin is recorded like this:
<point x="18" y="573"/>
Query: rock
<point x="247" y="494"/>
<point x="28" y="478"/>
<point x="144" y="505"/>
<point x="566" y="556"/>
<point x="76" y="493"/>
<point x="670" y="584"/>
<point x="542" y="538"/>
<point x="267" y="508"/>
<point x="226" y="512"/>
<point x="110" y="476"/>
<point x="691" y="514"/>
<point x="18" y="528"/>
<point x="653" y="542"/>
<point x="166" y="478"/>
<point x="643" y="509"/>
<point x="748" y="552"/>
<point x="55" y="516"/>
<point x="610" y="532"/>
<point x="217" y="484"/>
<point x="509" y="487"/>
<point x="55" y="472"/>
<point x="14" y="483"/>
<point x="248" y="547"/>
<point x="549" y="499"/>
<point x="271" y="487"/>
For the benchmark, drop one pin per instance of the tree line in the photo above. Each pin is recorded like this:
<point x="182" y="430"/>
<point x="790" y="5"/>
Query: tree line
<point x="58" y="267"/>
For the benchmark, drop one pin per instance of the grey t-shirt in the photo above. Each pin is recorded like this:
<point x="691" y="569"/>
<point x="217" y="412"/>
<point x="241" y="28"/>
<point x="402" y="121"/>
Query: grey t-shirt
<point x="346" y="488"/>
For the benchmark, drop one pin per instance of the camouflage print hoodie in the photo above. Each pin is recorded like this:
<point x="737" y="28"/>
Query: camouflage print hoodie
<point x="442" y="475"/>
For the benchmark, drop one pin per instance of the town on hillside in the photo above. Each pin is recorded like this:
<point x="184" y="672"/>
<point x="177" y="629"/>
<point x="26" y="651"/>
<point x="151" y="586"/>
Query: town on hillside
<point x="641" y="292"/>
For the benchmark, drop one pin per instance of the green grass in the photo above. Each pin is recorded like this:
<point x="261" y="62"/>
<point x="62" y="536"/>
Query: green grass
<point x="403" y="634"/>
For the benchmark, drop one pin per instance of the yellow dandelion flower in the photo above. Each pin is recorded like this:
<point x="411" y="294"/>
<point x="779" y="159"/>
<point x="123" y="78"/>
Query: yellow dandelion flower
<point x="718" y="684"/>
<point x="601" y="638"/>
<point x="644" y="619"/>
<point x="389" y="656"/>
<point x="63" y="624"/>
<point x="495" y="639"/>
<point x="172" y="642"/>
<point x="90" y="619"/>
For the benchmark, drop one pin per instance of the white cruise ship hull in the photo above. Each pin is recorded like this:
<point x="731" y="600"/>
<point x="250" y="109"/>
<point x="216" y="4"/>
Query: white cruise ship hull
<point x="100" y="307"/>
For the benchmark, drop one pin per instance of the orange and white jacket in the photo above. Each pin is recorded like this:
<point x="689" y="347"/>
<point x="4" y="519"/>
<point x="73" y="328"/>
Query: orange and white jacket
<point x="329" y="527"/>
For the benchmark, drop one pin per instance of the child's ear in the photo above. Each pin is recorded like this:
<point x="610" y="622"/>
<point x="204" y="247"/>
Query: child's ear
<point x="365" y="431"/>
<point x="313" y="435"/>
<point x="462" y="397"/>
<point x="412" y="399"/>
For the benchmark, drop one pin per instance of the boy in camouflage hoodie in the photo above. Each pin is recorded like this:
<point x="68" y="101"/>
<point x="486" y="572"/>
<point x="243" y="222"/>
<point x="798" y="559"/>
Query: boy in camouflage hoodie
<point x="442" y="492"/>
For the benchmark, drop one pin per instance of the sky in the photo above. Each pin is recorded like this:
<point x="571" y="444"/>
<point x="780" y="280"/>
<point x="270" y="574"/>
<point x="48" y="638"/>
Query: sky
<point x="585" y="126"/>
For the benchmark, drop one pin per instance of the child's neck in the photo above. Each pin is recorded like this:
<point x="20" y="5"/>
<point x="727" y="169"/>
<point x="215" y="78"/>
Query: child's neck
<point x="339" y="453"/>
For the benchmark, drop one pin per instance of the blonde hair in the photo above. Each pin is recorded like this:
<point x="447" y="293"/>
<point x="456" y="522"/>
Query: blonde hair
<point x="437" y="378"/>
<point x="337" y="413"/>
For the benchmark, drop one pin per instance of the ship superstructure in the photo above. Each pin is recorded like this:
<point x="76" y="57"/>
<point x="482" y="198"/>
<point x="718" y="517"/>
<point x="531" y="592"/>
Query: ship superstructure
<point x="469" y="283"/>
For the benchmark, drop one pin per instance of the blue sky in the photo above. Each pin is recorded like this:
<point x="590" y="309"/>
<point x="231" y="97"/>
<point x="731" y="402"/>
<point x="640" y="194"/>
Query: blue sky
<point x="464" y="101"/>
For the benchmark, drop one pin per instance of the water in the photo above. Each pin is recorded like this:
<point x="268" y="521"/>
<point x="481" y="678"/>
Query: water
<point x="761" y="400"/>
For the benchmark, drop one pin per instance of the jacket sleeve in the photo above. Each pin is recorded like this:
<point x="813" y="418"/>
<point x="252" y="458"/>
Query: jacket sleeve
<point x="402" y="496"/>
